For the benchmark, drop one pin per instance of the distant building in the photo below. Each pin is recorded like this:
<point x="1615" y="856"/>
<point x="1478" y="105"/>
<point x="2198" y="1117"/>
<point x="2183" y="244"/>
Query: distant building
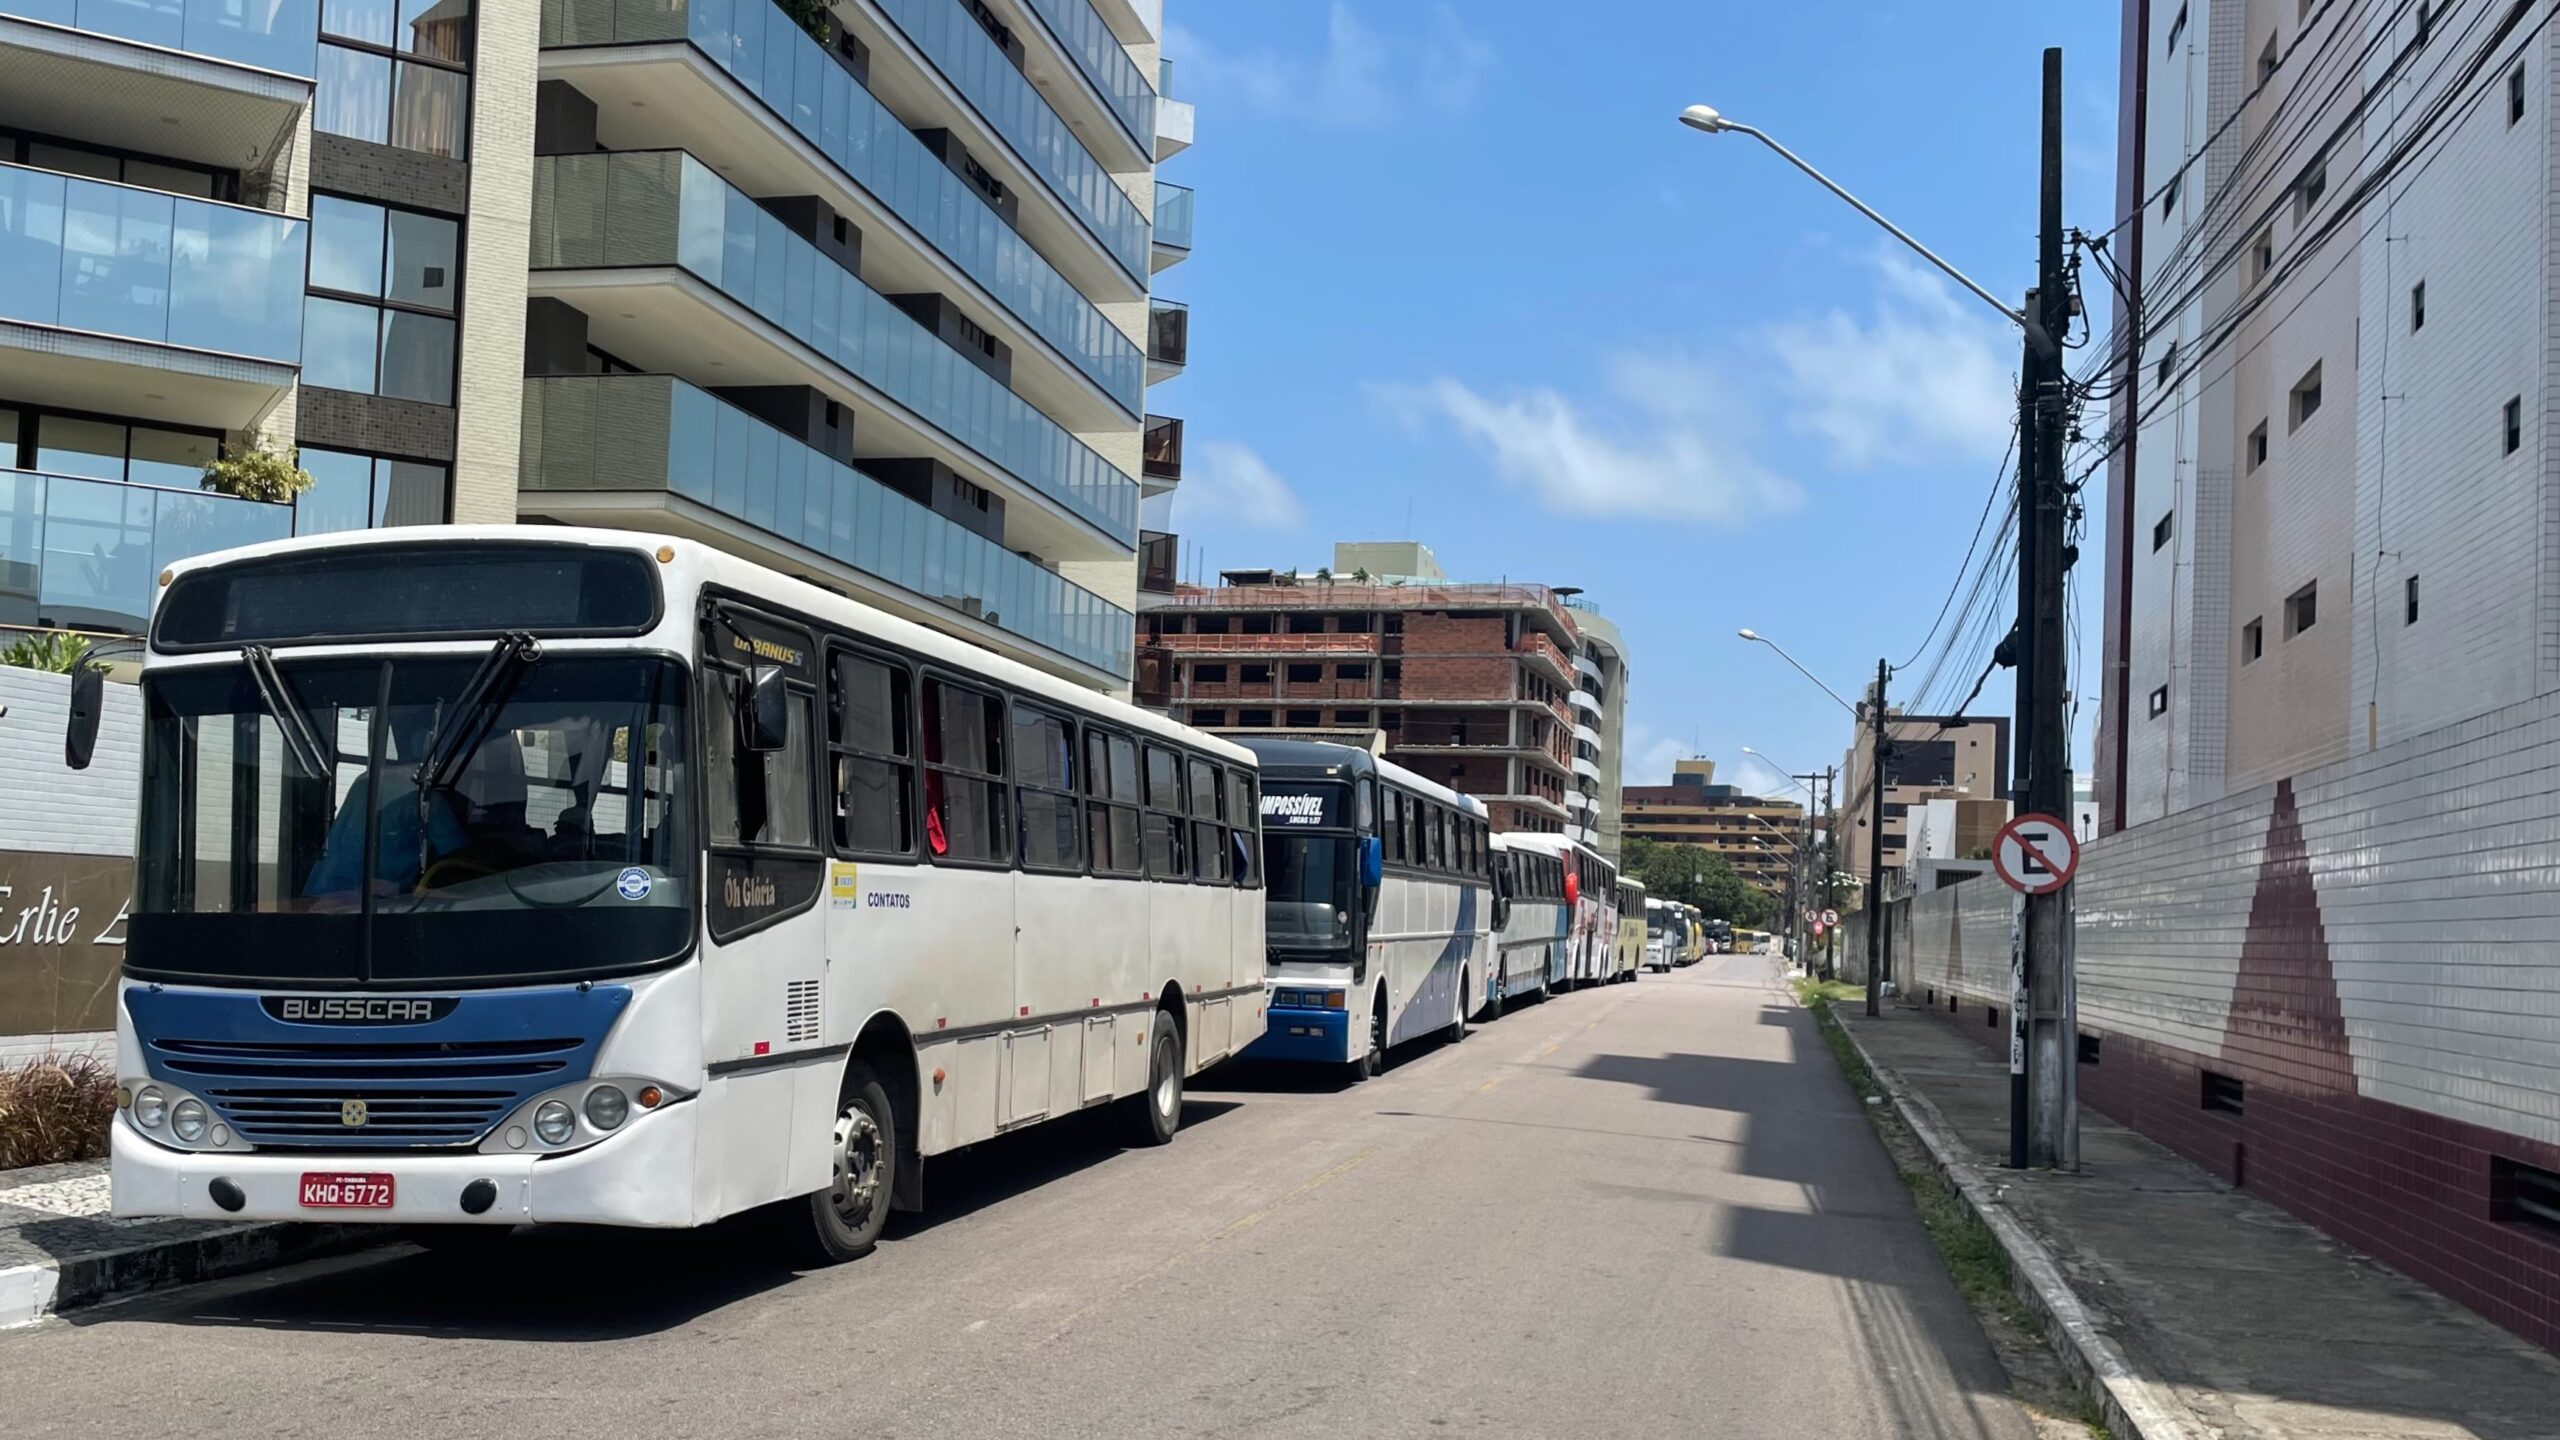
<point x="1935" y="757"/>
<point x="1758" y="836"/>
<point x="1500" y="691"/>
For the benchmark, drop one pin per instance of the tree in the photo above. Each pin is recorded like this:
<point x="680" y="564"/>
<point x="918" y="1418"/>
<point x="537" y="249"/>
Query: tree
<point x="1699" y="877"/>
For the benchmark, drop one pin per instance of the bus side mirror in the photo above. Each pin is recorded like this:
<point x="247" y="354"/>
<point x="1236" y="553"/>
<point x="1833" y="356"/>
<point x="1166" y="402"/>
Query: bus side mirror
<point x="764" y="710"/>
<point x="88" y="703"/>
<point x="1373" y="861"/>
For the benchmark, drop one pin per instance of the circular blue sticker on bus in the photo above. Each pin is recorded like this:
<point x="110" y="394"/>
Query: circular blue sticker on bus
<point x="632" y="884"/>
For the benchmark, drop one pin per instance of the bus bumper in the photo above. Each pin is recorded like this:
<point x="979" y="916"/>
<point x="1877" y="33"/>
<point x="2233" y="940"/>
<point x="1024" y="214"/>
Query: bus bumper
<point x="1304" y="1035"/>
<point x="642" y="1175"/>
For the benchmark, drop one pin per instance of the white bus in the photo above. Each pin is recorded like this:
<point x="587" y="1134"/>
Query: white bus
<point x="692" y="889"/>
<point x="1536" y="918"/>
<point x="1631" y="929"/>
<point x="1666" y="939"/>
<point x="1380" y="905"/>
<point x="1591" y="896"/>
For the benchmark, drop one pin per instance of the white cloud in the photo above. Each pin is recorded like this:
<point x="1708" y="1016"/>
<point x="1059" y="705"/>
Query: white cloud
<point x="1364" y="79"/>
<point x="1229" y="487"/>
<point x="1928" y="376"/>
<point x="1649" y="755"/>
<point x="1673" y="447"/>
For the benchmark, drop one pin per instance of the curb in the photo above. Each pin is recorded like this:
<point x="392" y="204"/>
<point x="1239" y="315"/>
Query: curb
<point x="29" y="1293"/>
<point x="2131" y="1403"/>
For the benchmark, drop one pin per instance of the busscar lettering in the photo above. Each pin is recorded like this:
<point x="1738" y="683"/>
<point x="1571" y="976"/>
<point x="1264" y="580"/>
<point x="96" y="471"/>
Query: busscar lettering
<point x="384" y="1009"/>
<point x="747" y="892"/>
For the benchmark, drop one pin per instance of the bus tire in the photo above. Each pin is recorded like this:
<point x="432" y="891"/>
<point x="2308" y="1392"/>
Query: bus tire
<point x="1152" y="1115"/>
<point x="1457" y="1030"/>
<point x="1373" y="1060"/>
<point x="1493" y="995"/>
<point x="843" y="1221"/>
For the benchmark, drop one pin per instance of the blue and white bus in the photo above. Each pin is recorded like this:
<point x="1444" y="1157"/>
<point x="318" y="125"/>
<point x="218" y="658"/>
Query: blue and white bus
<point x="1536" y="921"/>
<point x="1380" y="904"/>
<point x="1591" y="900"/>
<point x="494" y="875"/>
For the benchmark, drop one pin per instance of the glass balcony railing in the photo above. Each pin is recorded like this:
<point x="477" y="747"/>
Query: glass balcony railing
<point x="664" y="207"/>
<point x="278" y="35"/>
<point x="657" y="433"/>
<point x="1173" y="216"/>
<point x="84" y="554"/>
<point x="768" y="54"/>
<point x="1169" y="333"/>
<point x="1087" y="36"/>
<point x="146" y="265"/>
<point x="958" y="47"/>
<point x="1164" y="79"/>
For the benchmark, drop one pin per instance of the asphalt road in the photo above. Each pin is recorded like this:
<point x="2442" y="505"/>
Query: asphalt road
<point x="1648" y="1210"/>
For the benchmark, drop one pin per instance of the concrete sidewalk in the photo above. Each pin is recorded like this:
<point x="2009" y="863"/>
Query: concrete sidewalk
<point x="2218" y="1314"/>
<point x="59" y="1248"/>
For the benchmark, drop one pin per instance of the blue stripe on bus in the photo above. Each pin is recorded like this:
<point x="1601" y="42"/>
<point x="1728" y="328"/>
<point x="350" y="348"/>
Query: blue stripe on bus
<point x="1422" y="1015"/>
<point x="1296" y="1033"/>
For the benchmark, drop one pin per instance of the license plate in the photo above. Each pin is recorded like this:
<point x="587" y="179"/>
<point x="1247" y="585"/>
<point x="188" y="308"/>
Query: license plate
<point x="346" y="1192"/>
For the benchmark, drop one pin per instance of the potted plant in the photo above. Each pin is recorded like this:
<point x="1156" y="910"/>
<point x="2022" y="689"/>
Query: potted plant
<point x="258" y="474"/>
<point x="55" y="652"/>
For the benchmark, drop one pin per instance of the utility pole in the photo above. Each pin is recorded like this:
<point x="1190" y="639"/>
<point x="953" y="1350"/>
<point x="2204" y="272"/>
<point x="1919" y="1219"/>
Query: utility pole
<point x="1805" y="858"/>
<point x="1830" y="874"/>
<point x="1875" y="843"/>
<point x="2044" y="1109"/>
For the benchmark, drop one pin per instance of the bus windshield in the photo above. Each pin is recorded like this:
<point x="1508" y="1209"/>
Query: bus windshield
<point x="550" y="837"/>
<point x="1307" y="883"/>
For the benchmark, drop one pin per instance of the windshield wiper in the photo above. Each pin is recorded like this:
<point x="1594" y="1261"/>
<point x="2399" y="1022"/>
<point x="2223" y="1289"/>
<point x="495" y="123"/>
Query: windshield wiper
<point x="474" y="710"/>
<point x="299" y="738"/>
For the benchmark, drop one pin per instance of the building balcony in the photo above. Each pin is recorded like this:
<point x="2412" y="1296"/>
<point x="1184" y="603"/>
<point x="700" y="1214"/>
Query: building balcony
<point x="1586" y="734"/>
<point x="1173" y="225"/>
<point x="80" y="554"/>
<point x="1175" y="119"/>
<point x="1543" y="651"/>
<point x="1274" y="645"/>
<point x="1162" y="467"/>
<point x="1584" y="702"/>
<point x="1158" y="554"/>
<point x="960" y="52"/>
<point x="117" y="298"/>
<point x="650" y="451"/>
<point x="1098" y="55"/>
<point x="1168" y="339"/>
<point x="680" y="273"/>
<point x="218" y="82"/>
<point x="1585" y="666"/>
<point x="739" y="84"/>
<point x="1586" y="768"/>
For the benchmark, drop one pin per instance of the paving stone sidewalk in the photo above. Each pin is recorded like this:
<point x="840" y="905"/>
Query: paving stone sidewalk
<point x="2233" y="1318"/>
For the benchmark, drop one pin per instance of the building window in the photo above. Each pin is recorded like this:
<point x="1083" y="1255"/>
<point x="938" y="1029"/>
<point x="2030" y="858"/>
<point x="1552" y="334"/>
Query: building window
<point x="2262" y="256"/>
<point x="98" y="448"/>
<point x="2418" y="307"/>
<point x="1209" y="674"/>
<point x="1305" y="719"/>
<point x="2253" y="640"/>
<point x="2305" y="400"/>
<point x="1255" y="674"/>
<point x="1255" y="719"/>
<point x="2515" y="424"/>
<point x="2257" y="447"/>
<point x="2270" y="60"/>
<point x="91" y="162"/>
<point x="2308" y="189"/>
<point x="2409" y="601"/>
<point x="384" y="286"/>
<point x="1305" y="674"/>
<point x="1203" y="717"/>
<point x="2177" y="30"/>
<point x="2302" y="610"/>
<point x="362" y="492"/>
<point x="2169" y="198"/>
<point x="2159" y="707"/>
<point x="392" y="72"/>
<point x="2161" y="532"/>
<point x="2168" y="362"/>
<point x="2515" y="95"/>
<point x="2426" y="21"/>
<point x="1351" y="717"/>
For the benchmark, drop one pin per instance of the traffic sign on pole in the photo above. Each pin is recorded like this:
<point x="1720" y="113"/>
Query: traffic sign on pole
<point x="2035" y="854"/>
<point x="1830" y="917"/>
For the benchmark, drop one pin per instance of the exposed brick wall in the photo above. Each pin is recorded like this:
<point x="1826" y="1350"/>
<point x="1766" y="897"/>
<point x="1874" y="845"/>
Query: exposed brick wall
<point x="1451" y="657"/>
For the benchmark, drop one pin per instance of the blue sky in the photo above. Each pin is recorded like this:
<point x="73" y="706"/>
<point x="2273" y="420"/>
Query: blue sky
<point x="1461" y="277"/>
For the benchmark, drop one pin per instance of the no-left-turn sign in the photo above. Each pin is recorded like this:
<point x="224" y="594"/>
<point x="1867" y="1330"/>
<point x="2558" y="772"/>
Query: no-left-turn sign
<point x="2035" y="854"/>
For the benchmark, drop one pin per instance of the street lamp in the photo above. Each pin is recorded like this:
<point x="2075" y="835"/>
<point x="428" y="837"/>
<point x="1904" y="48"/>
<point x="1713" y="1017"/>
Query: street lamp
<point x="1706" y="118"/>
<point x="1757" y="638"/>
<point x="1783" y="772"/>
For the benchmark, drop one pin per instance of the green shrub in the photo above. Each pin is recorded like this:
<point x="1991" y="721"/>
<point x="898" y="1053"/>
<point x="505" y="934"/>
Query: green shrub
<point x="56" y="652"/>
<point x="259" y="474"/>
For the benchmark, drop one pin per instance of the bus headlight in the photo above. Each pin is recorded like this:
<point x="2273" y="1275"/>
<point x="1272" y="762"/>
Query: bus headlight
<point x="187" y="1120"/>
<point x="150" y="1107"/>
<point x="607" y="1107"/>
<point x="553" y="1123"/>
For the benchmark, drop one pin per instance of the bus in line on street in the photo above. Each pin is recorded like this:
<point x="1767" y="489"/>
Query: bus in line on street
<point x="1536" y="919"/>
<point x="1631" y="929"/>
<point x="1663" y="932"/>
<point x="1591" y="901"/>
<point x="1380" y="905"/>
<point x="492" y="875"/>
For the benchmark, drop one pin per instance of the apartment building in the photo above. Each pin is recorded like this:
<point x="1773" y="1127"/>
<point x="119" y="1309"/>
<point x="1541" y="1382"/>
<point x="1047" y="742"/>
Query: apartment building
<point x="1594" y="801"/>
<point x="1760" y="837"/>
<point x="1932" y="757"/>
<point x="860" y="289"/>
<point x="1468" y="684"/>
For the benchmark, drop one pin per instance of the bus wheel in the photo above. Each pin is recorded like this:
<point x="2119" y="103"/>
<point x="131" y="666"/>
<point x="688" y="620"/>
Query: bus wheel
<point x="1493" y="997"/>
<point x="843" y="1221"/>
<point x="1374" y="1059"/>
<point x="1152" y="1114"/>
<point x="1457" y="1030"/>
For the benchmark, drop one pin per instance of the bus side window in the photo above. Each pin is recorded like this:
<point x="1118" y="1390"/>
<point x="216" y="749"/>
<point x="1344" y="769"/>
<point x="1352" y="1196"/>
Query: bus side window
<point x="1164" y="822"/>
<point x="1244" y="813"/>
<point x="1044" y="766"/>
<point x="784" y="817"/>
<point x="1394" y="837"/>
<point x="1208" y="839"/>
<point x="871" y="732"/>
<point x="1111" y="812"/>
<point x="968" y="808"/>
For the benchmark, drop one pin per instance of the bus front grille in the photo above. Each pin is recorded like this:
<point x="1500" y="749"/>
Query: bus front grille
<point x="438" y="1093"/>
<point x="264" y="1116"/>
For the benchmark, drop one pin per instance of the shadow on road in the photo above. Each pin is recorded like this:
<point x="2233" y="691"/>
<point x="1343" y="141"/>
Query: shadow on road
<point x="580" y="1283"/>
